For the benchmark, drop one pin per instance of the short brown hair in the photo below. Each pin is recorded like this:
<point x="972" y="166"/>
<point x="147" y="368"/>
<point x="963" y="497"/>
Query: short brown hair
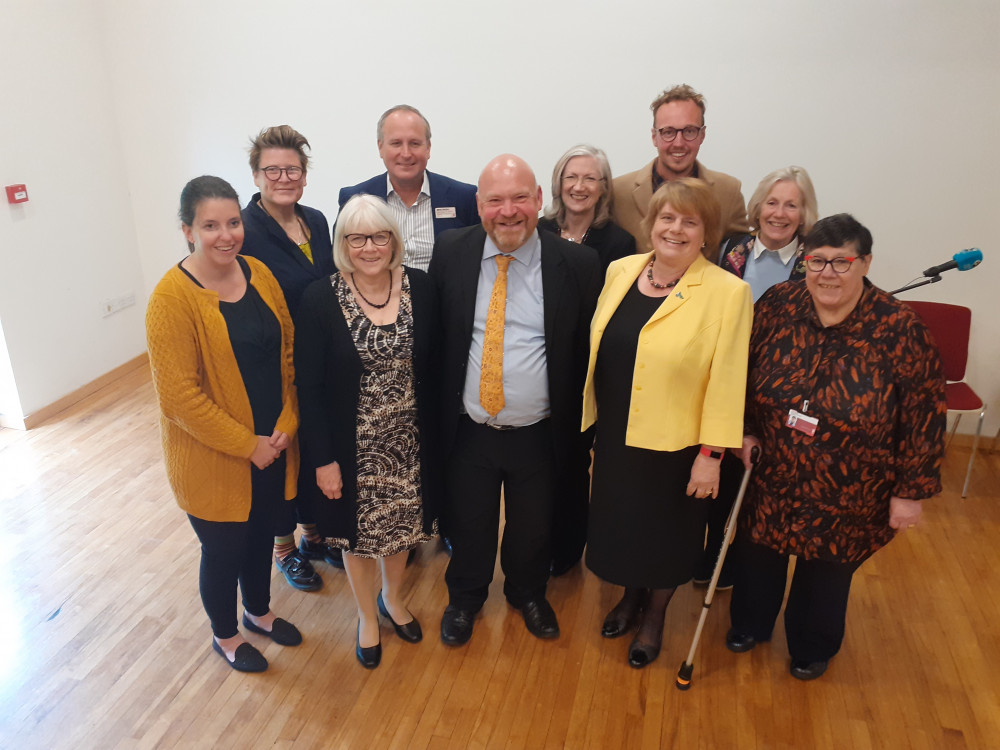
<point x="679" y="93"/>
<point x="688" y="196"/>
<point x="279" y="136"/>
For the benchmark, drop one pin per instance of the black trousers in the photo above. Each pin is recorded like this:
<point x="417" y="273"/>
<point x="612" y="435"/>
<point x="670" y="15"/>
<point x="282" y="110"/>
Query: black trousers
<point x="241" y="552"/>
<point x="572" y="503"/>
<point x="816" y="611"/>
<point x="484" y="462"/>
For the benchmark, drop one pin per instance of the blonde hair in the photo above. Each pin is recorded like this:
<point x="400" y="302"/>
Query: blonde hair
<point x="369" y="214"/>
<point x="800" y="178"/>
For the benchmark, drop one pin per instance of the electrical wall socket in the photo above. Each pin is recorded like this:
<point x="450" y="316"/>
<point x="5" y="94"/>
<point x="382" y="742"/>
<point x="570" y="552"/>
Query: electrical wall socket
<point x="115" y="304"/>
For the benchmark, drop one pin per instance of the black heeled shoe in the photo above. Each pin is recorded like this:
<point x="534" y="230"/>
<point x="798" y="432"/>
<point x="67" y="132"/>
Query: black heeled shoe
<point x="642" y="654"/>
<point x="625" y="615"/>
<point x="408" y="631"/>
<point x="370" y="656"/>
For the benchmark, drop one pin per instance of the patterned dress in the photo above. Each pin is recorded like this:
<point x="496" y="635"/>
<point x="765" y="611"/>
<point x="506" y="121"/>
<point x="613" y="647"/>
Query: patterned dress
<point x="390" y="511"/>
<point x="874" y="382"/>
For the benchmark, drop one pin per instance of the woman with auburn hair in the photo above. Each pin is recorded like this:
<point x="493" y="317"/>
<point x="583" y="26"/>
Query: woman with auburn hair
<point x="665" y="386"/>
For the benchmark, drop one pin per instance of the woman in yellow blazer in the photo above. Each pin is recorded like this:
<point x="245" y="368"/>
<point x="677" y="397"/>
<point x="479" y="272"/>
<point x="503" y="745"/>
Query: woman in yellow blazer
<point x="665" y="386"/>
<point x="220" y="347"/>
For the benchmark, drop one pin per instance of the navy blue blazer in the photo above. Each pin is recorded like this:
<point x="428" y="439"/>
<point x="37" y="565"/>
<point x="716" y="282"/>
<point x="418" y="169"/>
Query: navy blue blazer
<point x="265" y="240"/>
<point x="445" y="193"/>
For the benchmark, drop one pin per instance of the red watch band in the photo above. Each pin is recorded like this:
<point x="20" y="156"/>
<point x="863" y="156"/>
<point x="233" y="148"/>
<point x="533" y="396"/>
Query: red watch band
<point x="710" y="453"/>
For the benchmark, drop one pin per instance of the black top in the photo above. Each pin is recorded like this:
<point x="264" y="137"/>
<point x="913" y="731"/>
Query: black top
<point x="610" y="241"/>
<point x="255" y="335"/>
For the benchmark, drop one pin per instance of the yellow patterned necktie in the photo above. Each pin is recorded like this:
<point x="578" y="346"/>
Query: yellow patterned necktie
<point x="491" y="370"/>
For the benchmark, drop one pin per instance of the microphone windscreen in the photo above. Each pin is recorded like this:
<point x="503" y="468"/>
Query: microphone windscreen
<point x="968" y="259"/>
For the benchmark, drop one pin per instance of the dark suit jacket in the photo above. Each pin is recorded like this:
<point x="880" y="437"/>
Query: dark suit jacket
<point x="445" y="193"/>
<point x="610" y="241"/>
<point x="571" y="283"/>
<point x="328" y="374"/>
<point x="265" y="240"/>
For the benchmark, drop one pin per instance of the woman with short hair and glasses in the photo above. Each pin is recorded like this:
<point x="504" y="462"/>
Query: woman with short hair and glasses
<point x="845" y="398"/>
<point x="365" y="362"/>
<point x="293" y="241"/>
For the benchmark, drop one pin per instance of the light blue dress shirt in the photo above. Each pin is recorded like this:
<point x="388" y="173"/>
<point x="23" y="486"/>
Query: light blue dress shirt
<point x="765" y="268"/>
<point x="525" y="373"/>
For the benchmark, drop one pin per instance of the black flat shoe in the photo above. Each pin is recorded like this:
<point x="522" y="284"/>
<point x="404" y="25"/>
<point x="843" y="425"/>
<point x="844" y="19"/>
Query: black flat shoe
<point x="282" y="632"/>
<point x="642" y="654"/>
<point x="805" y="670"/>
<point x="369" y="657"/>
<point x="456" y="626"/>
<point x="624" y="617"/>
<point x="299" y="572"/>
<point x="738" y="642"/>
<point x="408" y="631"/>
<point x="246" y="658"/>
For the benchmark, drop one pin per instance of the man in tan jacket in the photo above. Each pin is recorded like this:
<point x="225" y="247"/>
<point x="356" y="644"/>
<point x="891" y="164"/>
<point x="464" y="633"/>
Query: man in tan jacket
<point x="678" y="132"/>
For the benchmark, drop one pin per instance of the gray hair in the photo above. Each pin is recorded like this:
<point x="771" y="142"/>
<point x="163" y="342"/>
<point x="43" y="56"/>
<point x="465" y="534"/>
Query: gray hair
<point x="796" y="175"/>
<point x="602" y="211"/>
<point x="368" y="214"/>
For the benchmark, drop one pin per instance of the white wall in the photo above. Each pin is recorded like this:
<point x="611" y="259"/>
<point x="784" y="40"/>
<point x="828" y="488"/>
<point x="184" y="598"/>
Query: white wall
<point x="74" y="243"/>
<point x="891" y="106"/>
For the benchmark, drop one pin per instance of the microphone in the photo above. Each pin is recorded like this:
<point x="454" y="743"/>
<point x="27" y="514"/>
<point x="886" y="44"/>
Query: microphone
<point x="964" y="260"/>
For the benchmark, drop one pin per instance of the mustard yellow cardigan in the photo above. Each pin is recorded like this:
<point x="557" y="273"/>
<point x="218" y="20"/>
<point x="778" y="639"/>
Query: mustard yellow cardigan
<point x="690" y="372"/>
<point x="206" y="421"/>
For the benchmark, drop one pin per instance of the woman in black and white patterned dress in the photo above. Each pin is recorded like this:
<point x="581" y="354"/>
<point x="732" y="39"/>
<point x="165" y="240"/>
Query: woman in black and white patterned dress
<point x="364" y="360"/>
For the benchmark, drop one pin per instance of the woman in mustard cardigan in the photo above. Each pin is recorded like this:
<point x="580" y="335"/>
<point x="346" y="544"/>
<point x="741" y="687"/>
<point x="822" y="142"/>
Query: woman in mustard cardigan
<point x="220" y="347"/>
<point x="665" y="385"/>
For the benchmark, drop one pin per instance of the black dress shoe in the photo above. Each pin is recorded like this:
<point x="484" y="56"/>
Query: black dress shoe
<point x="299" y="572"/>
<point x="738" y="642"/>
<point x="408" y="631"/>
<point x="246" y="658"/>
<point x="370" y="656"/>
<point x="807" y="670"/>
<point x="642" y="654"/>
<point x="539" y="618"/>
<point x="282" y="632"/>
<point x="456" y="626"/>
<point x="332" y="556"/>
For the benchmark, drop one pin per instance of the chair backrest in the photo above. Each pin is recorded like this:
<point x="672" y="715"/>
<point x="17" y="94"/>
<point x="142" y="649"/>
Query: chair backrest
<point x="949" y="325"/>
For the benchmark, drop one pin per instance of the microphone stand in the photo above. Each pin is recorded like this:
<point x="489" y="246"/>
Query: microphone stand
<point x="915" y="284"/>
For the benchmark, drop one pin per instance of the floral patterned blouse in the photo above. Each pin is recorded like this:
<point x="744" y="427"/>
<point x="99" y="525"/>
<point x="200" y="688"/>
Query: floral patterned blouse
<point x="874" y="383"/>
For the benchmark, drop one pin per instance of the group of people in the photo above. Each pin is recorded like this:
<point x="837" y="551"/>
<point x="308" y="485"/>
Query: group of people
<point x="605" y="369"/>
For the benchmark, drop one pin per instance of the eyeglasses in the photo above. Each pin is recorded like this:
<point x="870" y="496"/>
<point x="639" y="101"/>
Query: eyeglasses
<point x="690" y="133"/>
<point x="817" y="264"/>
<point x="379" y="239"/>
<point x="588" y="180"/>
<point x="294" y="174"/>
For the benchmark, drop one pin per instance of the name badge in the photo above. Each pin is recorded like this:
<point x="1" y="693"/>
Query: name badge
<point x="802" y="422"/>
<point x="445" y="212"/>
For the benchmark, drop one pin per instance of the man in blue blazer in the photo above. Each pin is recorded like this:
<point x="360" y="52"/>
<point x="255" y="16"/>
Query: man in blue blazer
<point x="424" y="204"/>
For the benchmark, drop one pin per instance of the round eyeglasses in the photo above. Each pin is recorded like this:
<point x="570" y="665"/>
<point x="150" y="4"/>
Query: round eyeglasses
<point x="690" y="133"/>
<point x="379" y="239"/>
<point x="816" y="264"/>
<point x="294" y="174"/>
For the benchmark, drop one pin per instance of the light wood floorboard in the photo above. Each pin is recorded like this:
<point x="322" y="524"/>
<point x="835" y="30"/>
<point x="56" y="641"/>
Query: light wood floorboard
<point x="104" y="644"/>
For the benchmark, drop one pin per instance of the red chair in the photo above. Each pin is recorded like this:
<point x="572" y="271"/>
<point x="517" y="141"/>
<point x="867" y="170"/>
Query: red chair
<point x="949" y="325"/>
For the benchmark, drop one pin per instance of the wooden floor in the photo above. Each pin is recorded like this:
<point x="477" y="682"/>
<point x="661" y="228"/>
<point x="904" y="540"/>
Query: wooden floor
<point x="104" y="644"/>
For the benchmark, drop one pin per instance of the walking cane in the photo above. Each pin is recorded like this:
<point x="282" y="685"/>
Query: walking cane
<point x="687" y="668"/>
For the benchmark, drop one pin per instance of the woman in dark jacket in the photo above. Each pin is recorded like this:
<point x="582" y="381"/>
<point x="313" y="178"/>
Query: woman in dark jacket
<point x="293" y="241"/>
<point x="365" y="361"/>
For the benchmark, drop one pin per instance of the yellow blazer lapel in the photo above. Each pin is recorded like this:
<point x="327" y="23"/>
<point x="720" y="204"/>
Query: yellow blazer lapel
<point x="686" y="287"/>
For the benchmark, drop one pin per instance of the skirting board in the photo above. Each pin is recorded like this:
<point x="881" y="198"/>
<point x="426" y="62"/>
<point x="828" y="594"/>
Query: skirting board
<point x="47" y="412"/>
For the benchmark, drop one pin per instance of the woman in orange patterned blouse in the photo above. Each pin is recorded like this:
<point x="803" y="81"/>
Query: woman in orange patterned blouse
<point x="846" y="399"/>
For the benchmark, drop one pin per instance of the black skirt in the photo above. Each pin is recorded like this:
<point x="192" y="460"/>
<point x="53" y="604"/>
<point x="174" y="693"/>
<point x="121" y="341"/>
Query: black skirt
<point x="644" y="531"/>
